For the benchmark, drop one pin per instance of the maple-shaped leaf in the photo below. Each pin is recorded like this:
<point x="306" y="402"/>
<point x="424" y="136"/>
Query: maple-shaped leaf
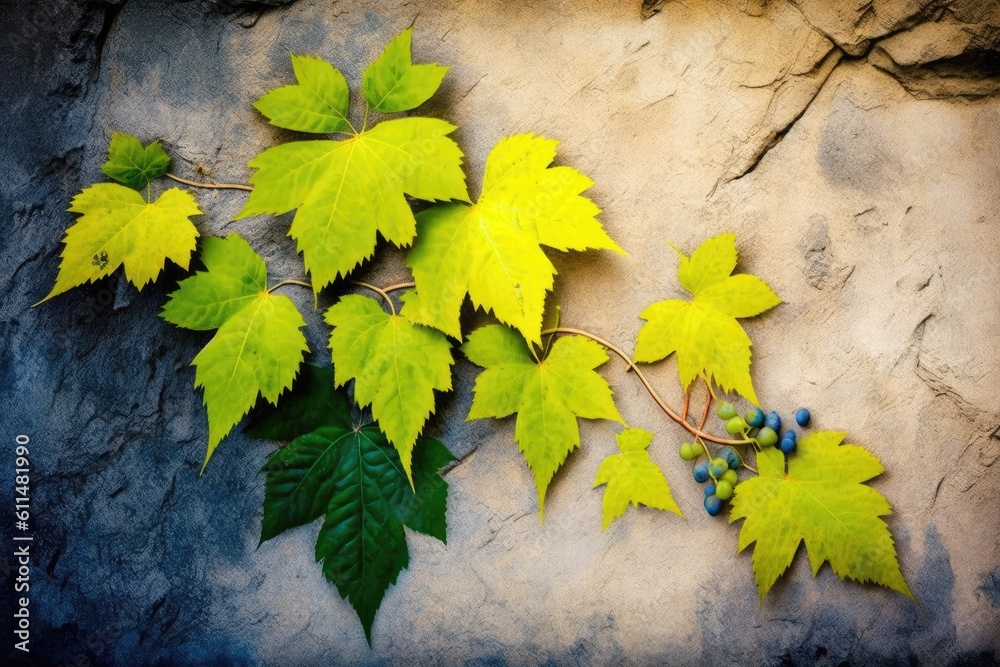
<point x="632" y="477"/>
<point x="349" y="191"/>
<point x="393" y="83"/>
<point x="704" y="333"/>
<point x="491" y="250"/>
<point x="548" y="395"/>
<point x="132" y="165"/>
<point x="396" y="366"/>
<point x="313" y="401"/>
<point x="258" y="347"/>
<point x="118" y="227"/>
<point x="318" y="103"/>
<point x="354" y="477"/>
<point x="821" y="500"/>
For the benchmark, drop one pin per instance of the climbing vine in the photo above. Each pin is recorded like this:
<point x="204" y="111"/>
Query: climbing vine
<point x="392" y="355"/>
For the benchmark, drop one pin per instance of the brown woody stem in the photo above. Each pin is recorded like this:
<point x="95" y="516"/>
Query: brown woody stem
<point x="384" y="293"/>
<point x="211" y="184"/>
<point x="697" y="432"/>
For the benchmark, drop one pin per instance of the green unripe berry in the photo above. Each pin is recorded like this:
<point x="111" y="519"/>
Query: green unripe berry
<point x="767" y="437"/>
<point x="689" y="452"/>
<point x="726" y="411"/>
<point x="735" y="425"/>
<point x="724" y="490"/>
<point x="730" y="476"/>
<point x="718" y="467"/>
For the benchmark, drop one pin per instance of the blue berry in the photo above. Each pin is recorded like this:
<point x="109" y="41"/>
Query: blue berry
<point x="713" y="505"/>
<point x="788" y="445"/>
<point x="755" y="418"/>
<point x="710" y="489"/>
<point x="802" y="417"/>
<point x="773" y="421"/>
<point x="701" y="472"/>
<point x="731" y="457"/>
<point x="789" y="435"/>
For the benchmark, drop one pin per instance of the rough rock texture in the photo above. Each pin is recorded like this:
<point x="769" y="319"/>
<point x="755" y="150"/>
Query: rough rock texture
<point x="850" y="145"/>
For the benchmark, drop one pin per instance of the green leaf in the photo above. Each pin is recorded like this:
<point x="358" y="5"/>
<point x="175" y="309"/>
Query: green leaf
<point x="822" y="501"/>
<point x="313" y="401"/>
<point x="491" y="250"/>
<point x="396" y="367"/>
<point x="393" y="83"/>
<point x="132" y="165"/>
<point x="355" y="477"/>
<point x="704" y="333"/>
<point x="348" y="192"/>
<point x="547" y="396"/>
<point x="117" y="227"/>
<point x="258" y="347"/>
<point x="318" y="103"/>
<point x="632" y="477"/>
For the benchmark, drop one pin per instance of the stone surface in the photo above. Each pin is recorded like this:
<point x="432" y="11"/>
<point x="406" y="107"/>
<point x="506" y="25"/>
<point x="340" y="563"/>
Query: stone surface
<point x="803" y="128"/>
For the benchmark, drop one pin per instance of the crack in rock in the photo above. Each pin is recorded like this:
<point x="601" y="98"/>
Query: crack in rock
<point x="822" y="269"/>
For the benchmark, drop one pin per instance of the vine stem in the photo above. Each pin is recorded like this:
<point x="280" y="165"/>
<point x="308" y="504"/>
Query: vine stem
<point x="211" y="184"/>
<point x="384" y="293"/>
<point x="701" y="425"/>
<point x="288" y="282"/>
<point x="697" y="432"/>
<point x="708" y="406"/>
<point x="747" y="465"/>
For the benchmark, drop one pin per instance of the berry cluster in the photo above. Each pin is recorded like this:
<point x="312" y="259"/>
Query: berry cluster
<point x="765" y="429"/>
<point x="719" y="473"/>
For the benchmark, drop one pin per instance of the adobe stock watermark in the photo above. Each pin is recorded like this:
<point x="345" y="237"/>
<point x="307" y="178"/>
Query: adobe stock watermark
<point x="35" y="24"/>
<point x="22" y="543"/>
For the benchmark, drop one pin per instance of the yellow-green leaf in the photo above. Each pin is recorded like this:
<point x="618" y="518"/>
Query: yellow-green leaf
<point x="318" y="103"/>
<point x="234" y="277"/>
<point x="347" y="192"/>
<point x="548" y="396"/>
<point x="393" y="83"/>
<point x="632" y="477"/>
<point x="821" y="500"/>
<point x="491" y="250"/>
<point x="704" y="333"/>
<point x="258" y="347"/>
<point x="118" y="228"/>
<point x="396" y="366"/>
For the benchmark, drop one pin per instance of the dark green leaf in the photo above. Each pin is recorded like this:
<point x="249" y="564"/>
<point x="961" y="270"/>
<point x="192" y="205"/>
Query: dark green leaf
<point x="301" y="479"/>
<point x="311" y="403"/>
<point x="423" y="508"/>
<point x="356" y="478"/>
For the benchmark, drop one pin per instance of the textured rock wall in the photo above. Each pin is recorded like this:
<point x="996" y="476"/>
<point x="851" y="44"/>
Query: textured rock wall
<point x="852" y="146"/>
